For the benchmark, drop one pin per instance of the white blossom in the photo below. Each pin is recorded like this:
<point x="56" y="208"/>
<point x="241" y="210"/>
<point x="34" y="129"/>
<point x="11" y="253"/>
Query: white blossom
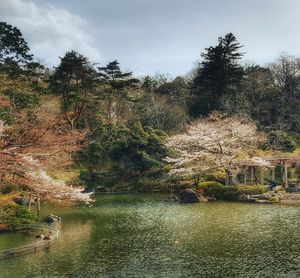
<point x="213" y="142"/>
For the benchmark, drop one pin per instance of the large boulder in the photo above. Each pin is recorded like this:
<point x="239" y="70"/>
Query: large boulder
<point x="188" y="196"/>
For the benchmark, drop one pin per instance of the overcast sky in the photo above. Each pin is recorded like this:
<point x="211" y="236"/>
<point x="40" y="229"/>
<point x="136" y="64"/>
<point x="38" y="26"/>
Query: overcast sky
<point x="149" y="36"/>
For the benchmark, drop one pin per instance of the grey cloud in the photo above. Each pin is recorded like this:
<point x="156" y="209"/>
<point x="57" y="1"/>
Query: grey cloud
<point x="158" y="35"/>
<point x="50" y="31"/>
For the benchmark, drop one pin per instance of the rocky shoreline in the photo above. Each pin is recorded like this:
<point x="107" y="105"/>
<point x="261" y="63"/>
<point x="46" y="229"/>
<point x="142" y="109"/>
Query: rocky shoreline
<point x="271" y="197"/>
<point x="291" y="199"/>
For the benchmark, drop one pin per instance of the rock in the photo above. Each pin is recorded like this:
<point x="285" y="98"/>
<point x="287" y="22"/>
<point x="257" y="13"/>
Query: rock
<point x="40" y="236"/>
<point x="266" y="196"/>
<point x="277" y="188"/>
<point x="210" y="199"/>
<point x="274" y="200"/>
<point x="52" y="218"/>
<point x="244" y="198"/>
<point x="261" y="201"/>
<point x="88" y="190"/>
<point x="188" y="196"/>
<point x="202" y="198"/>
<point x="172" y="199"/>
<point x="22" y="201"/>
<point x="247" y="198"/>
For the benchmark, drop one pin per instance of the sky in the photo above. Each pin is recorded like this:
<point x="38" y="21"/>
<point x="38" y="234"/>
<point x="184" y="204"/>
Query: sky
<point x="154" y="36"/>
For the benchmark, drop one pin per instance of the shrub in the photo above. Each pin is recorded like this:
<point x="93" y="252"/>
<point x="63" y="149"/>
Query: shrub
<point x="7" y="188"/>
<point x="210" y="184"/>
<point x="7" y="116"/>
<point x="229" y="193"/>
<point x="22" y="100"/>
<point x="252" y="189"/>
<point x="21" y="219"/>
<point x="217" y="175"/>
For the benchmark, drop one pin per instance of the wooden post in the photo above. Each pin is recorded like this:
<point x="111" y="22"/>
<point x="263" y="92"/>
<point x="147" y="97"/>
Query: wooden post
<point x="245" y="175"/>
<point x="252" y="174"/>
<point x="30" y="201"/>
<point x="38" y="206"/>
<point x="262" y="175"/>
<point x="285" y="174"/>
<point x="273" y="173"/>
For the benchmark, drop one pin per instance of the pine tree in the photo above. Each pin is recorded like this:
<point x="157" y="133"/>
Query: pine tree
<point x="14" y="50"/>
<point x="75" y="79"/>
<point x="115" y="86"/>
<point x="112" y="75"/>
<point x="218" y="74"/>
<point x="149" y="84"/>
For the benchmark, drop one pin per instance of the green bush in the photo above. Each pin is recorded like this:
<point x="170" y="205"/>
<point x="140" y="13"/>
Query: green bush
<point x="210" y="184"/>
<point x="21" y="219"/>
<point x="230" y="193"/>
<point x="217" y="175"/>
<point x="123" y="154"/>
<point x="22" y="100"/>
<point x="7" y="116"/>
<point x="7" y="188"/>
<point x="252" y="189"/>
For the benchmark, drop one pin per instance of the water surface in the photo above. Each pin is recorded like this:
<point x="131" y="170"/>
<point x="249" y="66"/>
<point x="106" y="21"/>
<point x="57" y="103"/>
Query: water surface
<point x="143" y="236"/>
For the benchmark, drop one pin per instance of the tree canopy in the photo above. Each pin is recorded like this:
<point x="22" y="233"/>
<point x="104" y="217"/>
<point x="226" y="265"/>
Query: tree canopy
<point x="14" y="50"/>
<point x="217" y="76"/>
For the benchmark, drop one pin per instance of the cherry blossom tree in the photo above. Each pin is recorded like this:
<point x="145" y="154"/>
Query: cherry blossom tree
<point x="24" y="160"/>
<point x="213" y="142"/>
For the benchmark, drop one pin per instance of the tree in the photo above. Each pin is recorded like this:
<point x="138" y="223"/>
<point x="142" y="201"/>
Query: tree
<point x="213" y="142"/>
<point x="149" y="84"/>
<point x="219" y="74"/>
<point x="253" y="99"/>
<point x="75" y="79"/>
<point x="175" y="90"/>
<point x="114" y="92"/>
<point x="111" y="74"/>
<point x="121" y="153"/>
<point x="286" y="73"/>
<point x="20" y="169"/>
<point x="14" y="50"/>
<point x="160" y="112"/>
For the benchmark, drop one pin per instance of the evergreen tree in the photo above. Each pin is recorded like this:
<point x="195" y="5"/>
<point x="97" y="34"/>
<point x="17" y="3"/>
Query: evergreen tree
<point x="149" y="84"/>
<point x="218" y="74"/>
<point x="14" y="50"/>
<point x="114" y="95"/>
<point x="75" y="79"/>
<point x="112" y="75"/>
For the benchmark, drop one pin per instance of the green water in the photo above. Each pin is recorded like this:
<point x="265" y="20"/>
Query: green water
<point x="143" y="236"/>
<point x="10" y="240"/>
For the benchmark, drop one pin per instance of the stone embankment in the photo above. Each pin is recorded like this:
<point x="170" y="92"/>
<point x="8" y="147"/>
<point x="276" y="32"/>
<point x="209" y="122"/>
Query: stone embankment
<point x="46" y="236"/>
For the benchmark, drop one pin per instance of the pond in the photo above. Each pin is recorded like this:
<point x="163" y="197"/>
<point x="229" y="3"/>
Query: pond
<point x="143" y="236"/>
